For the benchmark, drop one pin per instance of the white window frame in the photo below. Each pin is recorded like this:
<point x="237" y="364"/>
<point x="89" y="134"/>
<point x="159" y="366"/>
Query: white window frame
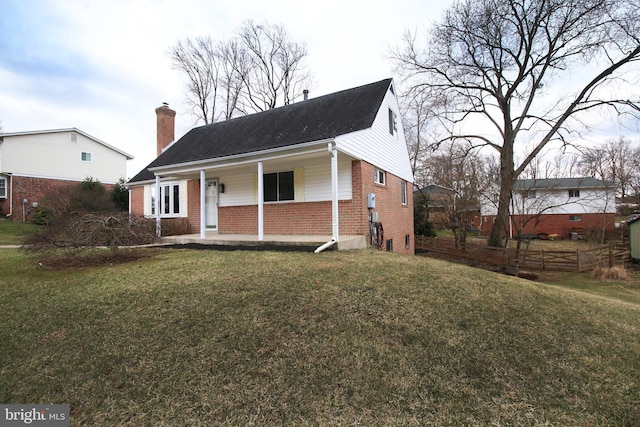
<point x="380" y="177"/>
<point x="86" y="156"/>
<point x="173" y="198"/>
<point x="3" y="187"/>
<point x="403" y="191"/>
<point x="574" y="192"/>
<point x="393" y="123"/>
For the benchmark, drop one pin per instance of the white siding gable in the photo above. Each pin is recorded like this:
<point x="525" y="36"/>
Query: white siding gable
<point x="58" y="155"/>
<point x="378" y="146"/>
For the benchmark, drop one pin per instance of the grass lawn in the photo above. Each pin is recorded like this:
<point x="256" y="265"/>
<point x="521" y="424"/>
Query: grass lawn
<point x="351" y="338"/>
<point x="13" y="232"/>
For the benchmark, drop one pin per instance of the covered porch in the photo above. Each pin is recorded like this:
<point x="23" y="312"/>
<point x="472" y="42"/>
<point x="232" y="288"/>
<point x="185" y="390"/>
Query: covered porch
<point x="212" y="238"/>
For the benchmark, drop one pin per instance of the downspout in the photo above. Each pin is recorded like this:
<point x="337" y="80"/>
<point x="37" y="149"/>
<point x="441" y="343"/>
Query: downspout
<point x="331" y="147"/>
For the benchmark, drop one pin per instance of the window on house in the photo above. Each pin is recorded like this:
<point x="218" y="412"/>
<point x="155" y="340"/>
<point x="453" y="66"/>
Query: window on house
<point x="407" y="241"/>
<point x="278" y="186"/>
<point x="575" y="218"/>
<point x="85" y="157"/>
<point x="389" y="245"/>
<point x="531" y="194"/>
<point x="3" y="187"/>
<point x="169" y="199"/>
<point x="379" y="177"/>
<point x="393" y="122"/>
<point x="403" y="191"/>
<point x="574" y="193"/>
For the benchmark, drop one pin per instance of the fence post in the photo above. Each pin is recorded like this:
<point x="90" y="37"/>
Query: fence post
<point x="578" y="260"/>
<point x="611" y="256"/>
<point x="542" y="258"/>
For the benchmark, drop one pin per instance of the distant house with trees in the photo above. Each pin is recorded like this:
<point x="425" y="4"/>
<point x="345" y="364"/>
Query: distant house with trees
<point x="37" y="164"/>
<point x="558" y="207"/>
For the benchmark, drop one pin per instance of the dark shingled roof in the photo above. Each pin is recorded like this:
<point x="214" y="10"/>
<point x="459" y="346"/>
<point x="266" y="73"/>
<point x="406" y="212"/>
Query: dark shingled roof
<point x="313" y="120"/>
<point x="559" y="183"/>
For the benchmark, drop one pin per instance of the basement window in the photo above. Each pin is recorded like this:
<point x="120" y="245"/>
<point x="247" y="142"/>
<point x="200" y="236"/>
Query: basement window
<point x="278" y="187"/>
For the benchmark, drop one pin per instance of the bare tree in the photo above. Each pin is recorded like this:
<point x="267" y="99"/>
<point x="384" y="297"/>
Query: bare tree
<point x="613" y="162"/>
<point x="258" y="69"/>
<point x="494" y="61"/>
<point x="277" y="74"/>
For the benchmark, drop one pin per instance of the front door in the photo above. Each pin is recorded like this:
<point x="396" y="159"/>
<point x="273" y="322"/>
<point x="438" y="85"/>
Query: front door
<point x="211" y="204"/>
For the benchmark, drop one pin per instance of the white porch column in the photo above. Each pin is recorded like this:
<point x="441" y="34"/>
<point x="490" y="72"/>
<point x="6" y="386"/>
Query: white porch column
<point x="260" y="202"/>
<point x="335" y="229"/>
<point x="203" y="209"/>
<point x="157" y="202"/>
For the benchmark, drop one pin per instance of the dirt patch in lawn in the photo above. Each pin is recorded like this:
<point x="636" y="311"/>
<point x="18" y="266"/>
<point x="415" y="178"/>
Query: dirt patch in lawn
<point x="94" y="258"/>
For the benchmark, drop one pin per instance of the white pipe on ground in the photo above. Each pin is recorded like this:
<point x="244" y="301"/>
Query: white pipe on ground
<point x="325" y="246"/>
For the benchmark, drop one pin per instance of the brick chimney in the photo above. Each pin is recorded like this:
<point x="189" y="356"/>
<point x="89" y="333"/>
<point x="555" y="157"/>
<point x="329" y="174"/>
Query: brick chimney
<point x="165" y="126"/>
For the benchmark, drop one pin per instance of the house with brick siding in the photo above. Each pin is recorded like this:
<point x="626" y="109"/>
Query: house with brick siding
<point x="37" y="163"/>
<point x="558" y="207"/>
<point x="335" y="166"/>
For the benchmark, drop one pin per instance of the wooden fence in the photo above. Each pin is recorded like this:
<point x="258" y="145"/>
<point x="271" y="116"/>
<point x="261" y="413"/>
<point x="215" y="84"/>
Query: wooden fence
<point x="530" y="259"/>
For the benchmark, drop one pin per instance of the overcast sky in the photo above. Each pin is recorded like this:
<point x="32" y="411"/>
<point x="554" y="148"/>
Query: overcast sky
<point x="103" y="66"/>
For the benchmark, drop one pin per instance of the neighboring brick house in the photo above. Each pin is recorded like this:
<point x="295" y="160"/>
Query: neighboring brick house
<point x="563" y="207"/>
<point x="308" y="168"/>
<point x="35" y="164"/>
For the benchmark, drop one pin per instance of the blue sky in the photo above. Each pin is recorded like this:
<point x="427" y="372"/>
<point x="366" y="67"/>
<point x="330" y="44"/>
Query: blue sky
<point x="103" y="66"/>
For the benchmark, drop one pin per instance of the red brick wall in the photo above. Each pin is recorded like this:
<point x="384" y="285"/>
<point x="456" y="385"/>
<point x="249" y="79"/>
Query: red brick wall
<point x="136" y="200"/>
<point x="32" y="189"/>
<point x="559" y="224"/>
<point x="396" y="218"/>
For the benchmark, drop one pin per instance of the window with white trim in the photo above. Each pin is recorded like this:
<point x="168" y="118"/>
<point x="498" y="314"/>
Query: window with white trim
<point x="85" y="156"/>
<point x="278" y="187"/>
<point x="379" y="177"/>
<point x="169" y="199"/>
<point x="574" y="193"/>
<point x="393" y="123"/>
<point x="3" y="187"/>
<point x="403" y="191"/>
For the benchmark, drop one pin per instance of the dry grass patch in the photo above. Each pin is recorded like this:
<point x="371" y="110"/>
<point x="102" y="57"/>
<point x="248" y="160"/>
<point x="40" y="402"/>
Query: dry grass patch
<point x="617" y="272"/>
<point x="357" y="338"/>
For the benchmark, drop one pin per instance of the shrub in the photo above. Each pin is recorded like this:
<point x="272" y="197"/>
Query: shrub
<point x="614" y="273"/>
<point x="176" y="227"/>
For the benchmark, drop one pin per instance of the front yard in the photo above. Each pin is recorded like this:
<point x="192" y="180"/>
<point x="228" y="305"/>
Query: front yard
<point x="350" y="338"/>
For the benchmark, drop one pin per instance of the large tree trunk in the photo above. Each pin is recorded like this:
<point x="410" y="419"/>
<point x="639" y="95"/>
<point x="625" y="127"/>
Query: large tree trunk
<point x="507" y="179"/>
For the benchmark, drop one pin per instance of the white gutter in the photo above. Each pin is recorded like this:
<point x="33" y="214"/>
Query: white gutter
<point x="240" y="159"/>
<point x="331" y="147"/>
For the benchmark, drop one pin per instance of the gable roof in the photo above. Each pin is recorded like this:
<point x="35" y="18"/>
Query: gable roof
<point x="559" y="184"/>
<point x="307" y="121"/>
<point x="76" y="130"/>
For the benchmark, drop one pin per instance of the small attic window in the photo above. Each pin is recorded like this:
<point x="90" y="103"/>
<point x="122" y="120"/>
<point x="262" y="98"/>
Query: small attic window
<point x="393" y="122"/>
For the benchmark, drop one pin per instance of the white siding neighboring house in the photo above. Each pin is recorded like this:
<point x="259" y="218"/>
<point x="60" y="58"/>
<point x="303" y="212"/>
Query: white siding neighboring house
<point x="559" y="206"/>
<point x="35" y="163"/>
